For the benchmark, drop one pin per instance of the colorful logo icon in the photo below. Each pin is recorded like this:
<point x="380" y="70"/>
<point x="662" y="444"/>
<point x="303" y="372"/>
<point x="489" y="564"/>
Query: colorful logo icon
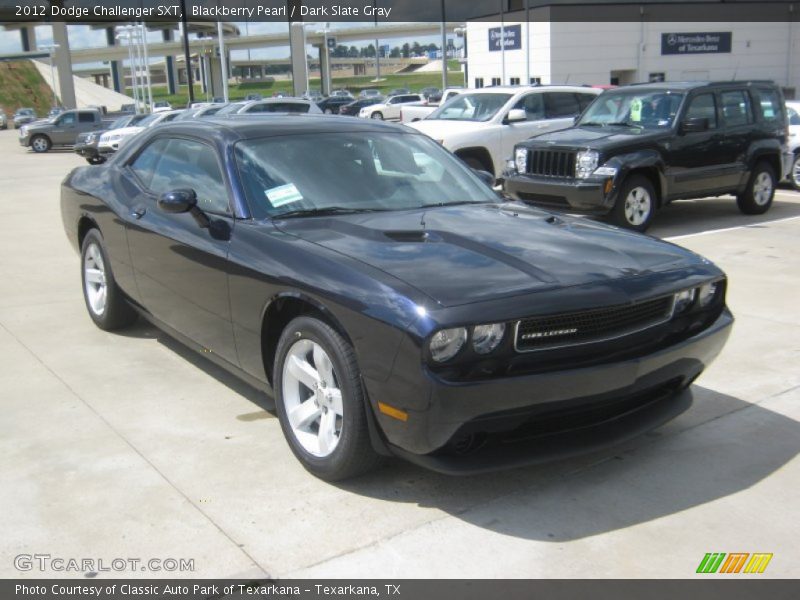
<point x="735" y="562"/>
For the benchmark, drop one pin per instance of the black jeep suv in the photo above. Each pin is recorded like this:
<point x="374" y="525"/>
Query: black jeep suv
<point x="639" y="147"/>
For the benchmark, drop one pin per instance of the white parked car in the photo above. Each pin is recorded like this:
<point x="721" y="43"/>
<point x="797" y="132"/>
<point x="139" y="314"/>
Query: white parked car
<point x="161" y="106"/>
<point x="389" y="109"/>
<point x="271" y="105"/>
<point x="111" y="141"/>
<point x="482" y="126"/>
<point x="793" y="143"/>
<point x="419" y="110"/>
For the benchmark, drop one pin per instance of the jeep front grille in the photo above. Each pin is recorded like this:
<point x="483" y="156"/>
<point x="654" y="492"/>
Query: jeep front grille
<point x="589" y="326"/>
<point x="551" y="163"/>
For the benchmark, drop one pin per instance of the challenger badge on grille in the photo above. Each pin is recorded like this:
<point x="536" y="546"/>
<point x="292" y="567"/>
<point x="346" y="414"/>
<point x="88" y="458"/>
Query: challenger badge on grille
<point x="545" y="334"/>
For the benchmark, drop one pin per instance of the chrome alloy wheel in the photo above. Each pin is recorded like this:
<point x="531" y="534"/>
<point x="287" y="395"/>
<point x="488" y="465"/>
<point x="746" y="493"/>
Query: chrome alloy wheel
<point x="312" y="398"/>
<point x="762" y="188"/>
<point x="94" y="279"/>
<point x="796" y="172"/>
<point x="638" y="205"/>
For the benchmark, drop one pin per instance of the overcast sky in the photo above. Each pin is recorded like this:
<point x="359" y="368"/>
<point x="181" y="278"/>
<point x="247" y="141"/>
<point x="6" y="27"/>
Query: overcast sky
<point x="83" y="36"/>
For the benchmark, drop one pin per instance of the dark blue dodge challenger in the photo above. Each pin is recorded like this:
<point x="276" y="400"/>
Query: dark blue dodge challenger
<point x="387" y="297"/>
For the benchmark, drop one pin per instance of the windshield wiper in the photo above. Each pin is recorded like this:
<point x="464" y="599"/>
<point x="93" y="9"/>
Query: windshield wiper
<point x="623" y="124"/>
<point x="458" y="202"/>
<point x="326" y="210"/>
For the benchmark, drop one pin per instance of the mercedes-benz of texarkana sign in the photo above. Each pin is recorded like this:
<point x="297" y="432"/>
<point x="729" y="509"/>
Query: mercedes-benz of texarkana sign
<point x="387" y="297"/>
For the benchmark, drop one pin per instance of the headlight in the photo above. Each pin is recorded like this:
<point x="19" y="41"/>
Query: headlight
<point x="586" y="163"/>
<point x="521" y="159"/>
<point x="486" y="338"/>
<point x="683" y="300"/>
<point x="24" y="131"/>
<point x="90" y="138"/>
<point x="446" y="343"/>
<point x="707" y="293"/>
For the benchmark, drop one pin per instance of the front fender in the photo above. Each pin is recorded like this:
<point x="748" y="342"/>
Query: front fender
<point x="649" y="159"/>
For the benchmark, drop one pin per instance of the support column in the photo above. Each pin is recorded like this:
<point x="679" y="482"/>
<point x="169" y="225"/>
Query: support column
<point x="170" y="65"/>
<point x="27" y="35"/>
<point x="297" y="46"/>
<point x="63" y="60"/>
<point x="203" y="70"/>
<point x="115" y="68"/>
<point x="324" y="69"/>
<point x="214" y="67"/>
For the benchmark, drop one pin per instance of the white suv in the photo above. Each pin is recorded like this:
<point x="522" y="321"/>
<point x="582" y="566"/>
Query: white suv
<point x="389" y="109"/>
<point x="482" y="126"/>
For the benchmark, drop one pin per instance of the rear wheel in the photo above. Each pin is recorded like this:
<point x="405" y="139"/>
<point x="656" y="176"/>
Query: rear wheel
<point x="636" y="204"/>
<point x="760" y="191"/>
<point x="104" y="300"/>
<point x="794" y="174"/>
<point x="41" y="143"/>
<point x="320" y="401"/>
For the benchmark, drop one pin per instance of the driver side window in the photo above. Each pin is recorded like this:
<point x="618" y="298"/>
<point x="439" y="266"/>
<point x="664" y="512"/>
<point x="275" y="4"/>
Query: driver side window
<point x="533" y="105"/>
<point x="68" y="119"/>
<point x="703" y="107"/>
<point x="177" y="163"/>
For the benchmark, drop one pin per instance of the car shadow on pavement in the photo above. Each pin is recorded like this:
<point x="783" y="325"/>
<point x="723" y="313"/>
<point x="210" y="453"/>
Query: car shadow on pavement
<point x="144" y="330"/>
<point x="686" y="217"/>
<point x="724" y="448"/>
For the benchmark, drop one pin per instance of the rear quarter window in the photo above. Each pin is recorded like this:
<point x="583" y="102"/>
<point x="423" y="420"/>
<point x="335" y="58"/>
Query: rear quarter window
<point x="768" y="105"/>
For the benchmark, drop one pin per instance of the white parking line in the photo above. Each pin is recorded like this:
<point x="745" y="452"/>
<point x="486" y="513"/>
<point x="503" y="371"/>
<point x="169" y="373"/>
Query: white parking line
<point x="709" y="231"/>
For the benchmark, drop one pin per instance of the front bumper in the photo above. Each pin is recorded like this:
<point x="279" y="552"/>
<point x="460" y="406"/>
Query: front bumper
<point x="87" y="150"/>
<point x="25" y="140"/>
<point x="569" y="412"/>
<point x="575" y="195"/>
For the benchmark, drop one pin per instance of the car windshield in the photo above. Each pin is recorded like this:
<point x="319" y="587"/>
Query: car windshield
<point x="353" y="172"/>
<point x="149" y="120"/>
<point x="641" y="109"/>
<point x="230" y="108"/>
<point x="471" y="107"/>
<point x="25" y="112"/>
<point x="119" y="123"/>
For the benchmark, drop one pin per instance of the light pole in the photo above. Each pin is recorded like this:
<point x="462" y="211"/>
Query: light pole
<point x="377" y="44"/>
<point x="52" y="49"/>
<point x="126" y="35"/>
<point x="327" y="81"/>
<point x="223" y="60"/>
<point x="462" y="33"/>
<point x="143" y="37"/>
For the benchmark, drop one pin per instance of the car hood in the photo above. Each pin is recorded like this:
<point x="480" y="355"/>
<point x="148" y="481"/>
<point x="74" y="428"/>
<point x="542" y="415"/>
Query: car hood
<point x="596" y="136"/>
<point x="441" y="129"/>
<point x="471" y="253"/>
<point x="123" y="131"/>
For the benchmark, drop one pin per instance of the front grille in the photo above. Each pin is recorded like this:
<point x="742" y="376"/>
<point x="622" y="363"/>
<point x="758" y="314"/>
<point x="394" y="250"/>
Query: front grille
<point x="568" y="329"/>
<point x="551" y="163"/>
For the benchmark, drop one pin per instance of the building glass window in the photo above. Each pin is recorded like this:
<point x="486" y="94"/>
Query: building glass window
<point x="514" y="81"/>
<point x="656" y="77"/>
<point x="478" y="82"/>
<point x="496" y="81"/>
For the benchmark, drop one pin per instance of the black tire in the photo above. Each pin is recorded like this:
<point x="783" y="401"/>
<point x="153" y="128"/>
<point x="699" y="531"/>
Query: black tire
<point x="41" y="143"/>
<point x="328" y="111"/>
<point x="377" y="115"/>
<point x="636" y="204"/>
<point x="116" y="313"/>
<point x="794" y="173"/>
<point x="95" y="160"/>
<point x="353" y="454"/>
<point x="756" y="199"/>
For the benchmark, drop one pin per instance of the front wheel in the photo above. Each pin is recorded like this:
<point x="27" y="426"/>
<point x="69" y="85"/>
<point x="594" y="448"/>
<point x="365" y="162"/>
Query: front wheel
<point x="104" y="300"/>
<point x="328" y="111"/>
<point x="636" y="204"/>
<point x="320" y="401"/>
<point x="376" y="115"/>
<point x="794" y="174"/>
<point x="95" y="160"/>
<point x="760" y="191"/>
<point x="41" y="143"/>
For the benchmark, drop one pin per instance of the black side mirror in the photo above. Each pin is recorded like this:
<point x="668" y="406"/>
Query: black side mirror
<point x="695" y="124"/>
<point x="485" y="177"/>
<point x="183" y="201"/>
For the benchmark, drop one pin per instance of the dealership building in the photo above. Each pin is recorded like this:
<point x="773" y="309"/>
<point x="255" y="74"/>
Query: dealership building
<point x="505" y="49"/>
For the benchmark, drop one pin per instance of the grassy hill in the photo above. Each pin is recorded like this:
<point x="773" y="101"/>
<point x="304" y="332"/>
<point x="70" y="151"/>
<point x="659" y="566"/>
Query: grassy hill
<point x="22" y="86"/>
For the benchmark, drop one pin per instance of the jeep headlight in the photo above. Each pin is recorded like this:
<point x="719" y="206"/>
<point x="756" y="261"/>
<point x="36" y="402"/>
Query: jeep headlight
<point x="585" y="163"/>
<point x="446" y="343"/>
<point x="486" y="338"/>
<point x="683" y="300"/>
<point x="521" y="160"/>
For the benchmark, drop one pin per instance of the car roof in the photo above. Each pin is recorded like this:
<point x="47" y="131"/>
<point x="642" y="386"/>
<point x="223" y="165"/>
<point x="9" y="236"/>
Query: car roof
<point x="518" y="89"/>
<point x="240" y="127"/>
<point x="690" y="85"/>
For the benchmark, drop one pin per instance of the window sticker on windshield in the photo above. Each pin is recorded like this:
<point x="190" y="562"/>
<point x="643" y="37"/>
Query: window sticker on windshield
<point x="283" y="194"/>
<point x="636" y="110"/>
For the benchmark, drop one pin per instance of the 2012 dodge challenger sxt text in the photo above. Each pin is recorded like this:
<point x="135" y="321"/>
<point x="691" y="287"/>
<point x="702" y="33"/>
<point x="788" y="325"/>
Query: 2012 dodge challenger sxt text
<point x="389" y="300"/>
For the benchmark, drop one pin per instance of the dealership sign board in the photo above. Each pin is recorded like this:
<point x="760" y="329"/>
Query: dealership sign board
<point x="703" y="42"/>
<point x="511" y="37"/>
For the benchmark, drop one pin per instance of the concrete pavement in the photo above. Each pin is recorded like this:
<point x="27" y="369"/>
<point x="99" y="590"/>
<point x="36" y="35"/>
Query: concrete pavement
<point x="131" y="446"/>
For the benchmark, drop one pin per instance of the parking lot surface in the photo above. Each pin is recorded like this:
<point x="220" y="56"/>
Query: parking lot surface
<point x="129" y="445"/>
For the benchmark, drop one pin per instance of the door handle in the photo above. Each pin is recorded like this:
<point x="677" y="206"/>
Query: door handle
<point x="138" y="212"/>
